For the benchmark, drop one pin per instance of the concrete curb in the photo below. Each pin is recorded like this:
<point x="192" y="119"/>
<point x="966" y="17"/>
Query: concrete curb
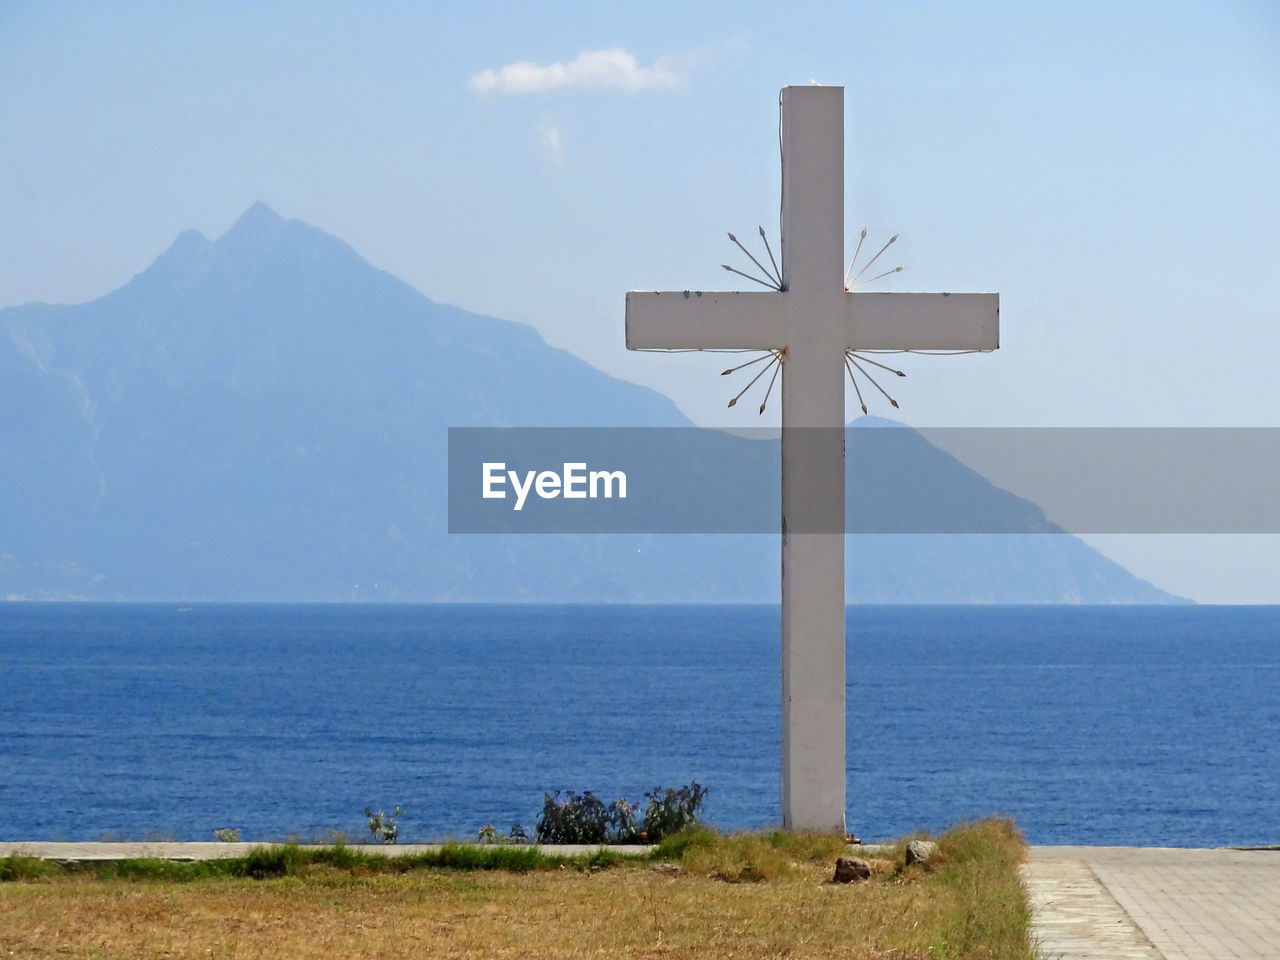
<point x="187" y="851"/>
<point x="213" y="850"/>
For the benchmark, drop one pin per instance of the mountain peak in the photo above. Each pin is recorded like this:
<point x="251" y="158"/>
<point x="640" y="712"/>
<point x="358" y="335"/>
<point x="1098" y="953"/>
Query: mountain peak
<point x="256" y="225"/>
<point x="262" y="235"/>
<point x="258" y="214"/>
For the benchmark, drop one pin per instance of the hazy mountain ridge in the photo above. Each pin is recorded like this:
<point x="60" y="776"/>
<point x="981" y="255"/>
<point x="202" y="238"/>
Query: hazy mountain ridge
<point x="263" y="416"/>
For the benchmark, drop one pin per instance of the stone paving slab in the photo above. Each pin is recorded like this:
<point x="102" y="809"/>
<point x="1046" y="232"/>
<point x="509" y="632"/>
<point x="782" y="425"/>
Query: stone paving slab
<point x="1076" y="918"/>
<point x="1187" y="904"/>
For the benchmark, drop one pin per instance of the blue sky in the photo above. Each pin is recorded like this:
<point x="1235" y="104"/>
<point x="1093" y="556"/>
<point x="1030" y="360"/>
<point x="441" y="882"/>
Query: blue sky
<point x="1113" y="170"/>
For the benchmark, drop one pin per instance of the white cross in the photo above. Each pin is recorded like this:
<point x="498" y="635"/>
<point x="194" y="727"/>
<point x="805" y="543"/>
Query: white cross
<point x="813" y="320"/>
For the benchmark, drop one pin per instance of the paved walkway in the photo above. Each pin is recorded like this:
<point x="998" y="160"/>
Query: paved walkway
<point x="1154" y="903"/>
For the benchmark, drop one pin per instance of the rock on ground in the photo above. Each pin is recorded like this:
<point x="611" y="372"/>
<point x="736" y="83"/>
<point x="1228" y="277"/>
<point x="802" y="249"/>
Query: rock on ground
<point x="919" y="851"/>
<point x="849" y="869"/>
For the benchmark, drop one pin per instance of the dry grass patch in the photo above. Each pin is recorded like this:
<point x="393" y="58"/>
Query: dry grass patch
<point x="968" y="904"/>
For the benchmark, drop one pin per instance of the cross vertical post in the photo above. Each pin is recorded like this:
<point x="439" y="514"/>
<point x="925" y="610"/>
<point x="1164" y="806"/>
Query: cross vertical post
<point x="813" y="613"/>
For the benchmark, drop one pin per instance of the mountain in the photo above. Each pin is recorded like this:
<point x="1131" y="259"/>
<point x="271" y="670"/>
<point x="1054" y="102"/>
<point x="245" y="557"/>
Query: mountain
<point x="264" y="417"/>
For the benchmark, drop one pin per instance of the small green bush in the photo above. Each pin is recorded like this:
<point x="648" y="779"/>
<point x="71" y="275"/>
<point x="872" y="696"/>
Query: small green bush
<point x="674" y="846"/>
<point x="265" y="862"/>
<point x="384" y="827"/>
<point x="670" y="811"/>
<point x="468" y="856"/>
<point x="585" y="818"/>
<point x="17" y="867"/>
<point x="342" y="856"/>
<point x="489" y="834"/>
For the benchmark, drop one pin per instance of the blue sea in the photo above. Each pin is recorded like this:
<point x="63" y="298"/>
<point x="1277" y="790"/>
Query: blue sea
<point x="1094" y="725"/>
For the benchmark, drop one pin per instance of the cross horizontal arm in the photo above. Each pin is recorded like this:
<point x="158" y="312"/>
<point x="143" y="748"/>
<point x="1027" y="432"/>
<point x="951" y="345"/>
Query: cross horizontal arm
<point x="693" y="320"/>
<point x="922" y="321"/>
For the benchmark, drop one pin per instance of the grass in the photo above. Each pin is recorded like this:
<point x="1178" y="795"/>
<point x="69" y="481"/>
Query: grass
<point x="699" y="894"/>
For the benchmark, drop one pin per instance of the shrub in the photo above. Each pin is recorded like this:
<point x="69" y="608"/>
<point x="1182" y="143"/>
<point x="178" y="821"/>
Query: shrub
<point x="264" y="862"/>
<point x="384" y="827"/>
<point x="228" y="834"/>
<point x="463" y="856"/>
<point x="18" y="867"/>
<point x="675" y="845"/>
<point x="340" y="855"/>
<point x="489" y="834"/>
<point x="670" y="811"/>
<point x="585" y="818"/>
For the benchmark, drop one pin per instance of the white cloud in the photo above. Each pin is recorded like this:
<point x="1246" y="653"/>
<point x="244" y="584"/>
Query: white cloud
<point x="551" y="141"/>
<point x="613" y="69"/>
